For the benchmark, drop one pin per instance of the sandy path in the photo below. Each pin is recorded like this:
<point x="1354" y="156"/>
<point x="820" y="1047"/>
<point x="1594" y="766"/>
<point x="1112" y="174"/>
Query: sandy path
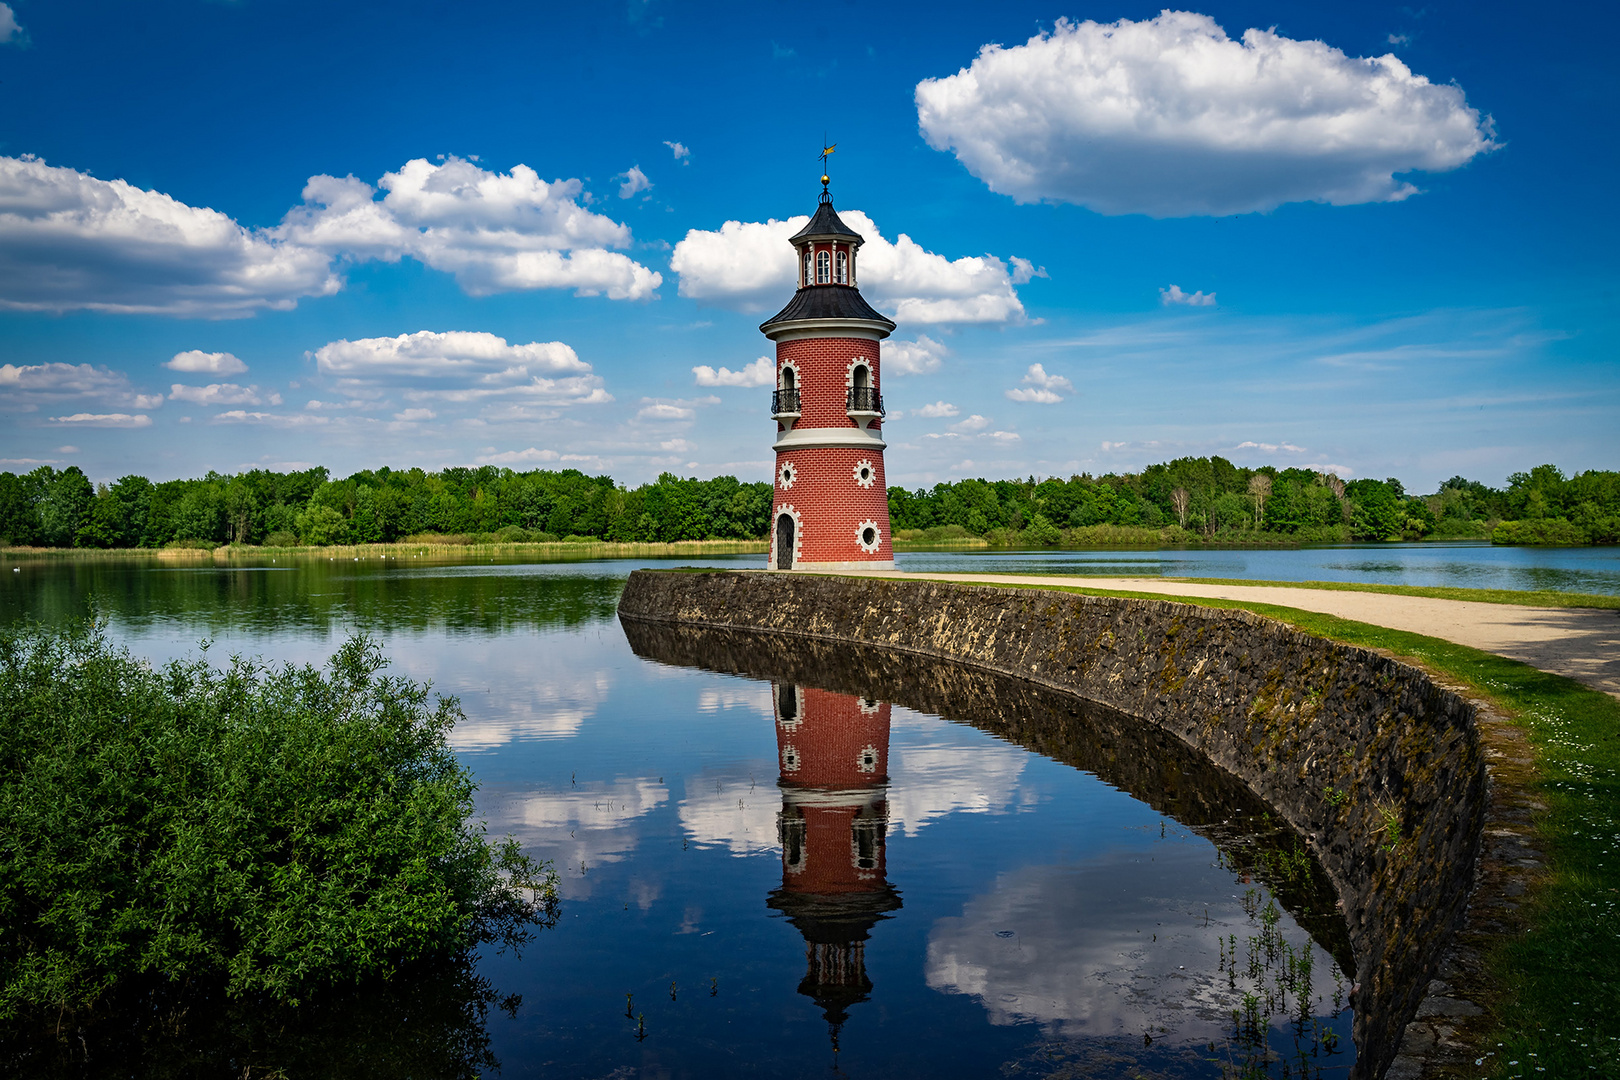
<point x="1582" y="643"/>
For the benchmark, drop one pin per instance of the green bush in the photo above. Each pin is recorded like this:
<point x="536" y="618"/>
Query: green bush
<point x="1041" y="533"/>
<point x="281" y="538"/>
<point x="1539" y="531"/>
<point x="281" y="829"/>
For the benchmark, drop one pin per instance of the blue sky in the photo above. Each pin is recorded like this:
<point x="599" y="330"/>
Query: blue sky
<point x="1378" y="238"/>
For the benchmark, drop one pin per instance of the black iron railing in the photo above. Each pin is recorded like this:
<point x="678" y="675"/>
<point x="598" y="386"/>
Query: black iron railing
<point x="865" y="399"/>
<point x="784" y="402"/>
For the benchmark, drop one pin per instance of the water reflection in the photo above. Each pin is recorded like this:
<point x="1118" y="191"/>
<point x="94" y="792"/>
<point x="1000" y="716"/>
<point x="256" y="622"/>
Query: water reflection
<point x="834" y="752"/>
<point x="1140" y="957"/>
<point x="298" y="594"/>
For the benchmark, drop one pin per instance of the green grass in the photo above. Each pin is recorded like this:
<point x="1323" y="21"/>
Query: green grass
<point x="1558" y="1006"/>
<point x="1525" y="597"/>
<point x="1530" y="597"/>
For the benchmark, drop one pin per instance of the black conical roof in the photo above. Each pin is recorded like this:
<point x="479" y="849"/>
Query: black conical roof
<point x="827" y="302"/>
<point x="825" y="223"/>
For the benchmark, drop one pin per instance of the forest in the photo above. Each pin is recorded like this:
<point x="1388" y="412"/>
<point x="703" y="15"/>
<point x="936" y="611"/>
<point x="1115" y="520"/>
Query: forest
<point x="1188" y="500"/>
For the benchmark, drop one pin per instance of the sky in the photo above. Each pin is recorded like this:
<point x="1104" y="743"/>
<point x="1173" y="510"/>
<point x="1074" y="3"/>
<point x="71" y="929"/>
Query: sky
<point x="1366" y="238"/>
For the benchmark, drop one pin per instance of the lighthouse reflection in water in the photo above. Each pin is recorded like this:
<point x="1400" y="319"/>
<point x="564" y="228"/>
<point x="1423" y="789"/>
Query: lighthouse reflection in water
<point x="833" y="750"/>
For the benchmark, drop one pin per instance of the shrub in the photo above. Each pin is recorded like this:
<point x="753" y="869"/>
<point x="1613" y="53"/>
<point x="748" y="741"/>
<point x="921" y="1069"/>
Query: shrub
<point x="281" y="829"/>
<point x="1544" y="531"/>
<point x="281" y="538"/>
<point x="1041" y="533"/>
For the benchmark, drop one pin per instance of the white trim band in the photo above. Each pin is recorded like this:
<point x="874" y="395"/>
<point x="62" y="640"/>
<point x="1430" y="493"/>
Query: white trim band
<point x="845" y="438"/>
<point x="820" y="328"/>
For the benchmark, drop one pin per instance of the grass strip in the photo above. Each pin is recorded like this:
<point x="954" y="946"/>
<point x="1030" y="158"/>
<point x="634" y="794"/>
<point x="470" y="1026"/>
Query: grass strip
<point x="1524" y="597"/>
<point x="227" y="553"/>
<point x="1558" y="1007"/>
<point x="1521" y="597"/>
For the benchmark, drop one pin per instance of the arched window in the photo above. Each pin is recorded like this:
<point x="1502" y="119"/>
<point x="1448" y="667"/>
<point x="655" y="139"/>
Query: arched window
<point x="807" y="270"/>
<point x="843" y="268"/>
<point x="823" y="268"/>
<point x="788" y="378"/>
<point x="863" y="375"/>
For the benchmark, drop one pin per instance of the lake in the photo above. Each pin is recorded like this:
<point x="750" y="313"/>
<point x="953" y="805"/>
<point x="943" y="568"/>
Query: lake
<point x="785" y="860"/>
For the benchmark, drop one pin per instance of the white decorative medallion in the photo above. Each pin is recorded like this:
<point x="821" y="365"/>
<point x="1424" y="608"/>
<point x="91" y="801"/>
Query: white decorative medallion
<point x="869" y="536"/>
<point x="864" y="473"/>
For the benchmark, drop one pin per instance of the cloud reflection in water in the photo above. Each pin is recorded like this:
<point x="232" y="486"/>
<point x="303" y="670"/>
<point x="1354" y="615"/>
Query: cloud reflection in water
<point x="1145" y="963"/>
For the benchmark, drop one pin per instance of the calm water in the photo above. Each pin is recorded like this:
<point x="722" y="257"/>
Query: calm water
<point x="1462" y="564"/>
<point x="798" y="862"/>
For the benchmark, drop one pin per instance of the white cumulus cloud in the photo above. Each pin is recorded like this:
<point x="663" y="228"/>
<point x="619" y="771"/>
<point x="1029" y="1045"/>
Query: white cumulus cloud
<point x="634" y="180"/>
<point x="937" y="410"/>
<point x="221" y="394"/>
<point x="197" y="362"/>
<point x="1174" y="295"/>
<point x="1270" y="448"/>
<point x="25" y="387"/>
<point x="496" y="232"/>
<point x="10" y="30"/>
<point x="1034" y="396"/>
<point x="462" y="366"/>
<point x="1171" y="117"/>
<point x="110" y="420"/>
<point x="750" y="266"/>
<point x="972" y="423"/>
<point x="663" y="410"/>
<point x="69" y="240"/>
<point x="531" y="456"/>
<point x="920" y="357"/>
<point x="761" y="372"/>
<point x="1041" y="388"/>
<point x="682" y="153"/>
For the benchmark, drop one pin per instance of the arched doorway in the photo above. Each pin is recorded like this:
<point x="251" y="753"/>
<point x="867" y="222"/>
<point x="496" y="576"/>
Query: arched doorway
<point x="784" y="542"/>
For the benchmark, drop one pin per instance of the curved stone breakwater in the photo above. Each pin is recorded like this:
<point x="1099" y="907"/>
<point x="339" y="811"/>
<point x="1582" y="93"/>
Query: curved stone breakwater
<point x="1381" y="770"/>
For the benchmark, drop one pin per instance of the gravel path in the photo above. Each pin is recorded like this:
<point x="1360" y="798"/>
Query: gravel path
<point x="1582" y="643"/>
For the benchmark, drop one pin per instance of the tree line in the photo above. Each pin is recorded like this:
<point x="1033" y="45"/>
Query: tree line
<point x="1212" y="499"/>
<point x="1188" y="499"/>
<point x="63" y="509"/>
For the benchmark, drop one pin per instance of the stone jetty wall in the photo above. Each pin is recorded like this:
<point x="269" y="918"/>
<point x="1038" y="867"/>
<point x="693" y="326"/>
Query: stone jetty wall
<point x="1382" y="771"/>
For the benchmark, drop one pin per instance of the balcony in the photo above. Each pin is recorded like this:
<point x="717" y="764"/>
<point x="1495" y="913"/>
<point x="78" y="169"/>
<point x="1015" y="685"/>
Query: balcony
<point x="785" y="404"/>
<point x="865" y="404"/>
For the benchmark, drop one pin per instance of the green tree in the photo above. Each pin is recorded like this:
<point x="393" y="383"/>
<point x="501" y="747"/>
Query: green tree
<point x="1377" y="513"/>
<point x="19" y="519"/>
<point x="199" y="515"/>
<point x="106" y="525"/>
<point x="322" y="525"/>
<point x="67" y="498"/>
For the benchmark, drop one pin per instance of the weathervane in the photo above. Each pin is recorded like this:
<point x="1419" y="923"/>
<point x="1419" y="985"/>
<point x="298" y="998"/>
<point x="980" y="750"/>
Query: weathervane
<point x="826" y="151"/>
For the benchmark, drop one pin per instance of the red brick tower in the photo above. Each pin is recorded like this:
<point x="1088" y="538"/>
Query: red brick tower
<point x="832" y="503"/>
<point x="834" y="754"/>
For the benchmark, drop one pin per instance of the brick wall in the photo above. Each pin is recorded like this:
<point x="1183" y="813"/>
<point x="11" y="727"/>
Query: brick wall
<point x="823" y="372"/>
<point x="831" y="505"/>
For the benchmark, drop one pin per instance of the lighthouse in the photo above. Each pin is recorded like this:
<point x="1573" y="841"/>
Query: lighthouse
<point x="831" y="508"/>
